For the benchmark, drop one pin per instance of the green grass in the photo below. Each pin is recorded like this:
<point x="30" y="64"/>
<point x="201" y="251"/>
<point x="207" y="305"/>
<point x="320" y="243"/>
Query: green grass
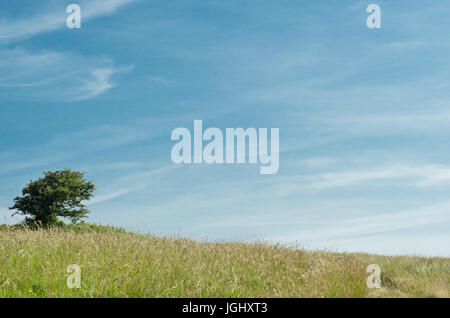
<point x="116" y="263"/>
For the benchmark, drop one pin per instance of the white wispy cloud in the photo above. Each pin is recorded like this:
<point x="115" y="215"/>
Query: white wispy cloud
<point x="360" y="5"/>
<point x="113" y="195"/>
<point x="120" y="165"/>
<point x="412" y="175"/>
<point x="52" y="75"/>
<point x="49" y="75"/>
<point x="94" y="139"/>
<point x="349" y="233"/>
<point x="405" y="175"/>
<point x="423" y="120"/>
<point x="51" y="16"/>
<point x="315" y="163"/>
<point x="160" y="79"/>
<point x="99" y="81"/>
<point x="130" y="183"/>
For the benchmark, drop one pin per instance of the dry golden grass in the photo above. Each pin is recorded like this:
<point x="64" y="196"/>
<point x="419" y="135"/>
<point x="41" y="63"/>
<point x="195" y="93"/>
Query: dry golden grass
<point x="120" y="264"/>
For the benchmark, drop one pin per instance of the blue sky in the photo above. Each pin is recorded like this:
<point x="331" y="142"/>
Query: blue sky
<point x="363" y="114"/>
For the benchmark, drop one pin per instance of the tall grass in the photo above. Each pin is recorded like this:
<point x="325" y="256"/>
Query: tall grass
<point x="115" y="263"/>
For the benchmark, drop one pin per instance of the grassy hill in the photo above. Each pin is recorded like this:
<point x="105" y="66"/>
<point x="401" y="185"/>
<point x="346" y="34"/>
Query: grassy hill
<point x="115" y="263"/>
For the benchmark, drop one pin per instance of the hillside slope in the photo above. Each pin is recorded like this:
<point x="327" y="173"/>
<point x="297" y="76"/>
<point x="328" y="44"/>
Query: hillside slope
<point x="120" y="264"/>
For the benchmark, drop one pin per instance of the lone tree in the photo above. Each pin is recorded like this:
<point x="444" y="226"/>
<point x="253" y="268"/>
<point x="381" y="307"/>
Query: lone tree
<point x="58" y="193"/>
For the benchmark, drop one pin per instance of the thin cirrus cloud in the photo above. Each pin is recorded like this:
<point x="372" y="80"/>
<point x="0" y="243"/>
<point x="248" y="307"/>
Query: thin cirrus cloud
<point x="55" y="18"/>
<point x="424" y="121"/>
<point x="113" y="195"/>
<point x="418" y="176"/>
<point x="366" y="233"/>
<point x="88" y="140"/>
<point x="132" y="183"/>
<point x="51" y="76"/>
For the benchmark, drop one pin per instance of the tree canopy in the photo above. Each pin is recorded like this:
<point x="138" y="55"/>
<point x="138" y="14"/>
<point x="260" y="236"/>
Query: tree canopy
<point x="57" y="194"/>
